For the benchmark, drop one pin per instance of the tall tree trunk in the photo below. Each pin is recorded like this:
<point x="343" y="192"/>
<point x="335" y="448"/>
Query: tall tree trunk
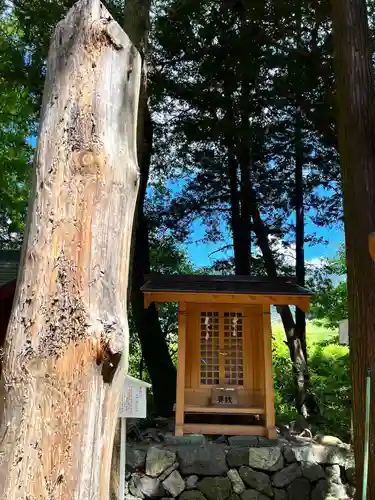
<point x="244" y="157"/>
<point x="240" y="244"/>
<point x="67" y="342"/>
<point x="153" y="343"/>
<point x="299" y="188"/>
<point x="356" y="125"/>
<point x="300" y="230"/>
<point x="297" y="355"/>
<point x="300" y="327"/>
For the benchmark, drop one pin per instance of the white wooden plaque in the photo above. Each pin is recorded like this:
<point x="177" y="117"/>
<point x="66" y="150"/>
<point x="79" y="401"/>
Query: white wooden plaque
<point x="134" y="398"/>
<point x="344" y="332"/>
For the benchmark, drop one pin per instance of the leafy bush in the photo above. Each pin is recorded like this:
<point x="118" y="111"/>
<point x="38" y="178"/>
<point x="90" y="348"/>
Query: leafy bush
<point x="329" y="380"/>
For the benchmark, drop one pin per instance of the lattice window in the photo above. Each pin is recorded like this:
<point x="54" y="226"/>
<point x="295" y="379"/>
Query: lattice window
<point x="233" y="348"/>
<point x="209" y="343"/>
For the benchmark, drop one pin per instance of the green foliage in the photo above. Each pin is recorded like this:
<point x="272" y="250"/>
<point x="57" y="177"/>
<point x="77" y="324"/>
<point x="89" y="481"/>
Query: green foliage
<point x="16" y="123"/>
<point x="219" y="68"/>
<point x="330" y="380"/>
<point x="330" y="303"/>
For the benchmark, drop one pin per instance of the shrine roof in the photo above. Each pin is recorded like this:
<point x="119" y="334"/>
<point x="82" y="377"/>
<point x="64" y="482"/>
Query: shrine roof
<point x="254" y="285"/>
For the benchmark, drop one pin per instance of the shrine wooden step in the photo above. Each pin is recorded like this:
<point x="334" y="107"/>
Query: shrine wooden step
<point x="226" y="430"/>
<point x="224" y="409"/>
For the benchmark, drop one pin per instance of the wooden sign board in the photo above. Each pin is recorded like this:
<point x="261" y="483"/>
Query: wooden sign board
<point x="133" y="404"/>
<point x="134" y="398"/>
<point x="224" y="396"/>
<point x="344" y="332"/>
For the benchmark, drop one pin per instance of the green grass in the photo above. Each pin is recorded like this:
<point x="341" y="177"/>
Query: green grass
<point x="314" y="333"/>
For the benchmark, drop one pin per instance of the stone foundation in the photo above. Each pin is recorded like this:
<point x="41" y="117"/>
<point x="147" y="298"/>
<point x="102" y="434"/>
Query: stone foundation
<point x="191" y="468"/>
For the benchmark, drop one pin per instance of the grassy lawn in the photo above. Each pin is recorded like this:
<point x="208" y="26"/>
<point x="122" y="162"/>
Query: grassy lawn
<point x="314" y="333"/>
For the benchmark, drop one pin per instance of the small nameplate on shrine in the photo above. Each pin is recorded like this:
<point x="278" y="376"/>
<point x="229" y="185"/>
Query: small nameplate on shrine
<point x="226" y="396"/>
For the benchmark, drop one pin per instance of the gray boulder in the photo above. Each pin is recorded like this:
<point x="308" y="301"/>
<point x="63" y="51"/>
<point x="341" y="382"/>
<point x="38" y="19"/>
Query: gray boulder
<point x="168" y="471"/>
<point x="268" y="459"/>
<point x="215" y="488"/>
<point x="135" y="459"/>
<point x="350" y="475"/>
<point x="158" y="460"/>
<point x="253" y="495"/>
<point x="337" y="491"/>
<point x="192" y="495"/>
<point x="189" y="440"/>
<point x="236" y="457"/>
<point x="234" y="496"/>
<point x="256" y="480"/>
<point x="289" y="455"/>
<point x="243" y="441"/>
<point x="191" y="482"/>
<point x="280" y="494"/>
<point x="312" y="472"/>
<point x="135" y="485"/>
<point x="321" y="454"/>
<point x="237" y="483"/>
<point x="299" y="489"/>
<point x="286" y="476"/>
<point x="206" y="460"/>
<point x="174" y="484"/>
<point x="320" y="491"/>
<point x="142" y="486"/>
<point x="333" y="474"/>
<point x="265" y="442"/>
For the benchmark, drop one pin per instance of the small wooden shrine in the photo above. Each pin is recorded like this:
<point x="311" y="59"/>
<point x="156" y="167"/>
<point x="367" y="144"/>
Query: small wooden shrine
<point x="224" y="372"/>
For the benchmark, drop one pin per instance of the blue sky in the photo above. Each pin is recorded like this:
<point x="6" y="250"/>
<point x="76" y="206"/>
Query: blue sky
<point x="199" y="253"/>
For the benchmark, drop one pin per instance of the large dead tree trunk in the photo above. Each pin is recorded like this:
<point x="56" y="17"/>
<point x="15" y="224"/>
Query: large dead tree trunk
<point x="66" y="345"/>
<point x="356" y="125"/>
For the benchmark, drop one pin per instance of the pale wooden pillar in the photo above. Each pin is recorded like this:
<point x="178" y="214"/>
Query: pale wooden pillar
<point x="269" y="396"/>
<point x="180" y="393"/>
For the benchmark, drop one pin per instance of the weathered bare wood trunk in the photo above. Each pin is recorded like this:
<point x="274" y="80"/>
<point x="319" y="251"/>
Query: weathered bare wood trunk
<point x="66" y="347"/>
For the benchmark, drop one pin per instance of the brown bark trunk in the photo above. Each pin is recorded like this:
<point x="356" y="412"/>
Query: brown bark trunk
<point x="240" y="244"/>
<point x="294" y="342"/>
<point x="67" y="341"/>
<point x="356" y="125"/>
<point x="300" y="234"/>
<point x="153" y="343"/>
<point x="244" y="157"/>
<point x="299" y="188"/>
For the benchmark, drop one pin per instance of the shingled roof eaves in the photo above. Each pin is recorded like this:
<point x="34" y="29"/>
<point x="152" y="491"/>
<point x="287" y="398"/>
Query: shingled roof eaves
<point x="9" y="262"/>
<point x="223" y="284"/>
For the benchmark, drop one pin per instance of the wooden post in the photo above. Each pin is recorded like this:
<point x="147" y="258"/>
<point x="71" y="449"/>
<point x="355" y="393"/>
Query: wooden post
<point x="67" y="343"/>
<point x="180" y="393"/>
<point x="269" y="400"/>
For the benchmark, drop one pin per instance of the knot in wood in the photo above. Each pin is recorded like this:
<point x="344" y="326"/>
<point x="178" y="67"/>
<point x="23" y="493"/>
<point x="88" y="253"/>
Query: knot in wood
<point x="86" y="158"/>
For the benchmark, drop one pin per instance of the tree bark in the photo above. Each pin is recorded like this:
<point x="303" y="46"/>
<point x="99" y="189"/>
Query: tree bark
<point x="297" y="355"/>
<point x="356" y="126"/>
<point x="241" y="252"/>
<point x="299" y="187"/>
<point x="67" y="342"/>
<point x="153" y="343"/>
<point x="244" y="158"/>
